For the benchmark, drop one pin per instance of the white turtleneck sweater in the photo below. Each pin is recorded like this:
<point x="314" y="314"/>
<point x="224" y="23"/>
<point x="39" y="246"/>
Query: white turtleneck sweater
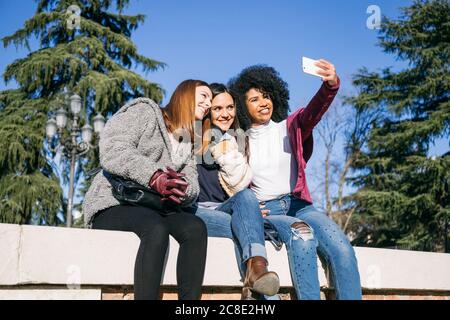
<point x="272" y="161"/>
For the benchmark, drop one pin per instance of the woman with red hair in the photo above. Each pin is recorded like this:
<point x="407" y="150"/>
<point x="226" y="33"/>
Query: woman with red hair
<point x="140" y="143"/>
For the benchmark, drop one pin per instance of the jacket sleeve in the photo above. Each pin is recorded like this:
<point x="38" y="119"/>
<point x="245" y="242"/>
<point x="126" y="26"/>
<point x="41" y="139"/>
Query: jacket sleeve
<point x="192" y="179"/>
<point x="119" y="141"/>
<point x="307" y="118"/>
<point x="235" y="173"/>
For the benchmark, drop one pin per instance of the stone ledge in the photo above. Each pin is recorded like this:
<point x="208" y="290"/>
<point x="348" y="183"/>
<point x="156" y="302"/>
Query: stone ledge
<point x="125" y="292"/>
<point x="51" y="294"/>
<point x="60" y="256"/>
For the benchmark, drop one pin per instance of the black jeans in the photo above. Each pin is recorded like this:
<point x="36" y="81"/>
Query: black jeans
<point x="154" y="229"/>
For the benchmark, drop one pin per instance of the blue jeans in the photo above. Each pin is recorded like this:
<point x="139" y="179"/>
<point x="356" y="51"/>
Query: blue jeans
<point x="239" y="218"/>
<point x="246" y="223"/>
<point x="326" y="239"/>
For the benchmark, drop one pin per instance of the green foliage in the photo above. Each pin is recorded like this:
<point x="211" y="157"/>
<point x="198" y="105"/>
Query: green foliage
<point x="403" y="198"/>
<point x="27" y="192"/>
<point x="94" y="61"/>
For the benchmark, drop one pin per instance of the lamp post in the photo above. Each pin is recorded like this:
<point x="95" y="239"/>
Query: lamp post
<point x="74" y="146"/>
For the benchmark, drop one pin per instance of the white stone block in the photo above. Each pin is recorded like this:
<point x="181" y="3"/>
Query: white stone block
<point x="77" y="256"/>
<point x="74" y="257"/>
<point x="403" y="269"/>
<point x="50" y="294"/>
<point x="9" y="253"/>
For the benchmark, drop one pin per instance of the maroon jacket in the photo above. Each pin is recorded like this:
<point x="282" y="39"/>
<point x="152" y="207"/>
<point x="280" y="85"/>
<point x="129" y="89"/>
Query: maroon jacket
<point x="300" y="125"/>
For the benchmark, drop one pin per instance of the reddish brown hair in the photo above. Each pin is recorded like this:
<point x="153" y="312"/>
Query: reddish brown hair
<point x="180" y="111"/>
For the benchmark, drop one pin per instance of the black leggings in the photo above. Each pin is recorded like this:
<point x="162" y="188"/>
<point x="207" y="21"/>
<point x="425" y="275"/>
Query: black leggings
<point x="154" y="230"/>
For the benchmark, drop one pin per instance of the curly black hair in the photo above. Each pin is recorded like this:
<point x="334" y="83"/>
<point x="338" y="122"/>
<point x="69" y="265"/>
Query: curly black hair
<point x="265" y="79"/>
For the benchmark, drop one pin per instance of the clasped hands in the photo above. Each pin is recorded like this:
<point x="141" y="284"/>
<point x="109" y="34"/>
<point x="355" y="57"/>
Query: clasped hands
<point x="170" y="184"/>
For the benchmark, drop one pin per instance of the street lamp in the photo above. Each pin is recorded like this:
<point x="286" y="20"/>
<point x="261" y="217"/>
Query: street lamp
<point x="61" y="118"/>
<point x="86" y="134"/>
<point x="50" y="129"/>
<point x="76" y="145"/>
<point x="99" y="123"/>
<point x="75" y="104"/>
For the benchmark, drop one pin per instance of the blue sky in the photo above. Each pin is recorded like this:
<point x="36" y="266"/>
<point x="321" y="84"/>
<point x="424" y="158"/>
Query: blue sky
<point x="214" y="40"/>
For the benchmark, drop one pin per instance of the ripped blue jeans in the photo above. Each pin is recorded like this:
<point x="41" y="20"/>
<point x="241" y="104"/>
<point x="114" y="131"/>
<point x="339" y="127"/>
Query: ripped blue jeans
<point x="238" y="218"/>
<point x="307" y="231"/>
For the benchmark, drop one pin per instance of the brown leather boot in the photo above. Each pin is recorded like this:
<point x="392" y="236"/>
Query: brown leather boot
<point x="259" y="279"/>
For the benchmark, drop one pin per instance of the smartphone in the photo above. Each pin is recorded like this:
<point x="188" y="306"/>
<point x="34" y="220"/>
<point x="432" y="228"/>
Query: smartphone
<point x="309" y="66"/>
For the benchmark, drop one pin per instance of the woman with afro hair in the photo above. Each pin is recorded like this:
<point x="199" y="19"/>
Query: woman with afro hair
<point x="279" y="147"/>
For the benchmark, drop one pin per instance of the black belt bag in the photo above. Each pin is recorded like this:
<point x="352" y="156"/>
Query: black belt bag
<point x="132" y="193"/>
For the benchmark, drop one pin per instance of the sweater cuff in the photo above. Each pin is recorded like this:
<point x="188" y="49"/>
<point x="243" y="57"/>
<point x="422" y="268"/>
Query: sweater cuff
<point x="335" y="87"/>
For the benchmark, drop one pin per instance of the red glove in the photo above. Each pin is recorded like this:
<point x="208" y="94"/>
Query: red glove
<point x="177" y="175"/>
<point x="169" y="185"/>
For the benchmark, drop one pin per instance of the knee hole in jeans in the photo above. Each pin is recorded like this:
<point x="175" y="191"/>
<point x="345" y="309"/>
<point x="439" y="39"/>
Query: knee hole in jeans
<point x="301" y="230"/>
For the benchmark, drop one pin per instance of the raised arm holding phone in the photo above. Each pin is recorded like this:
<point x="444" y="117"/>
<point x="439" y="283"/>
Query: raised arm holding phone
<point x="279" y="148"/>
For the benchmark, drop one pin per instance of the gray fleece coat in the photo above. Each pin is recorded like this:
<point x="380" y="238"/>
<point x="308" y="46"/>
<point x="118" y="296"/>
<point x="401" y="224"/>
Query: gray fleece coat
<point x="135" y="144"/>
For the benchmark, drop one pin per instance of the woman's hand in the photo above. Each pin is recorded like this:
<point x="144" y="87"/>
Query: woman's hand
<point x="169" y="184"/>
<point x="223" y="147"/>
<point x="264" y="212"/>
<point x="328" y="72"/>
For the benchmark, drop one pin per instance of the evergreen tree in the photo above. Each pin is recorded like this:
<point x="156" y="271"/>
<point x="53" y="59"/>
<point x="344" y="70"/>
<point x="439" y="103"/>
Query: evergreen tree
<point x="89" y="53"/>
<point x="403" y="196"/>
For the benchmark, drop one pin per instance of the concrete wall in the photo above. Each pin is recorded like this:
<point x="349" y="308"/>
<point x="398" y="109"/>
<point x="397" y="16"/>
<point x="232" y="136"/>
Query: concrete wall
<point x="48" y="263"/>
